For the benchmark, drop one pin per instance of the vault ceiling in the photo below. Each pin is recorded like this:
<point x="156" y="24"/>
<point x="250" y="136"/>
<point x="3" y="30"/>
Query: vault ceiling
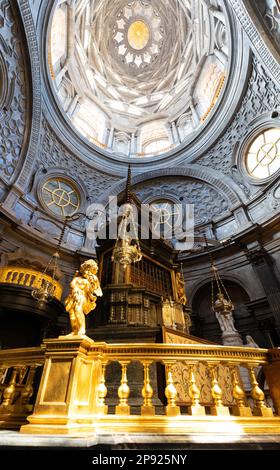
<point x="138" y="68"/>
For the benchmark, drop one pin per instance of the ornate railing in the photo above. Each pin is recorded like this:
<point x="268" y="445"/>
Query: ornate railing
<point x="29" y="278"/>
<point x="199" y="385"/>
<point x="18" y="370"/>
<point x="205" y="379"/>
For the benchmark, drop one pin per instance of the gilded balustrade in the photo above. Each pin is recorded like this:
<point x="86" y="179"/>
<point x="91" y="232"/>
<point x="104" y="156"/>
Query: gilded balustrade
<point x="73" y="396"/>
<point x="195" y="407"/>
<point x="147" y="392"/>
<point x="239" y="407"/>
<point x="17" y="373"/>
<point x="29" y="278"/>
<point x="123" y="392"/>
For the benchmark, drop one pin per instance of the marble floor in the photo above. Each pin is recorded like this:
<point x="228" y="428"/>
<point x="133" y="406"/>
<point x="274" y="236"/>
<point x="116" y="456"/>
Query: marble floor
<point x="12" y="439"/>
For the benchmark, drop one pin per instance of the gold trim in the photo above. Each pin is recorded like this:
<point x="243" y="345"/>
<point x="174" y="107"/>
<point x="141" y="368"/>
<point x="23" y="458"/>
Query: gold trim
<point x="215" y="99"/>
<point x="26" y="277"/>
<point x="72" y="391"/>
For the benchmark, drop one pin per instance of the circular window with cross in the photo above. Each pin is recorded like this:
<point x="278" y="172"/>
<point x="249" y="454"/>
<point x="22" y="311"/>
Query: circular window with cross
<point x="60" y="197"/>
<point x="263" y="156"/>
<point x="167" y="217"/>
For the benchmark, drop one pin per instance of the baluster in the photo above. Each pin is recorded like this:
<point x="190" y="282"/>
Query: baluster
<point x="260" y="408"/>
<point x="15" y="276"/>
<point x="21" y="279"/>
<point x="102" y="408"/>
<point x="27" y="280"/>
<point x="10" y="391"/>
<point x="27" y="391"/>
<point x="171" y="393"/>
<point x="3" y="374"/>
<point x="218" y="409"/>
<point x="240" y="408"/>
<point x="147" y="391"/>
<point x="123" y="392"/>
<point x="195" y="409"/>
<point x="32" y="280"/>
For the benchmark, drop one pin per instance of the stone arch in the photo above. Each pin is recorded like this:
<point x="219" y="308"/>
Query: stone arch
<point x="238" y="280"/>
<point x="205" y="323"/>
<point x="224" y="185"/>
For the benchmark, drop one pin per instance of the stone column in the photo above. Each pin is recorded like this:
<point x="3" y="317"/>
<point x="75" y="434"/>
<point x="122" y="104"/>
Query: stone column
<point x="111" y="138"/>
<point x="264" y="268"/>
<point x="175" y="133"/>
<point x="195" y="116"/>
<point x="132" y="144"/>
<point x="221" y="56"/>
<point x="73" y="105"/>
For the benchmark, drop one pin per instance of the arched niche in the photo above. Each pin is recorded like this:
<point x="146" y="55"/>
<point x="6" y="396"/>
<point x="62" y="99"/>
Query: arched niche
<point x="205" y="324"/>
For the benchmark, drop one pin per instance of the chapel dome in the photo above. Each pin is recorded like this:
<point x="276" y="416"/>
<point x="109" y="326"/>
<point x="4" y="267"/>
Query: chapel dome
<point x="139" y="78"/>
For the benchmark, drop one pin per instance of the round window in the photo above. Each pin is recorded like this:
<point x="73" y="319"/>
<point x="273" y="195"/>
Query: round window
<point x="60" y="197"/>
<point x="167" y="217"/>
<point x="263" y="155"/>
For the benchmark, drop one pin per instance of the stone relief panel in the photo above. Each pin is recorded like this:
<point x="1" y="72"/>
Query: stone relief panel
<point x="54" y="154"/>
<point x="13" y="92"/>
<point x="263" y="95"/>
<point x="208" y="202"/>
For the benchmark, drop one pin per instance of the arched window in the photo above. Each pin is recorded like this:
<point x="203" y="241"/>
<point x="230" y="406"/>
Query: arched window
<point x="154" y="138"/>
<point x="90" y="120"/>
<point x="157" y="146"/>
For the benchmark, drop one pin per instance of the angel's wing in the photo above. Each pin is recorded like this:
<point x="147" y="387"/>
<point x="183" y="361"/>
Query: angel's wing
<point x="98" y="291"/>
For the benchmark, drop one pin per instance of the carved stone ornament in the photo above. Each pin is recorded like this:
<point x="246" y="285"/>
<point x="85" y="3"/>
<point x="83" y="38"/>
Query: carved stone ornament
<point x="13" y="92"/>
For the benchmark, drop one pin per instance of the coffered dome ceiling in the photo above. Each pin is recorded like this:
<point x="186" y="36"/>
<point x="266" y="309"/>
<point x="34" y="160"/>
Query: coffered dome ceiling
<point x="139" y="78"/>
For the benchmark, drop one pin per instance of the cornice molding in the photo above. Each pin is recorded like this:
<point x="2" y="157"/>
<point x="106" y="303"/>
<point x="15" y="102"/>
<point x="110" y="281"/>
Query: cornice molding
<point x="34" y="57"/>
<point x="261" y="43"/>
